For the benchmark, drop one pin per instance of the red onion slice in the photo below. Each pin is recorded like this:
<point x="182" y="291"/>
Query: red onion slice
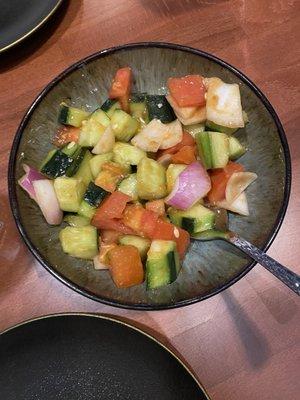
<point x="26" y="182"/>
<point x="191" y="185"/>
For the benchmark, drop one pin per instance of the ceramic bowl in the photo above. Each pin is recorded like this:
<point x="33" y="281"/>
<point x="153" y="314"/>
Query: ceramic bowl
<point x="209" y="267"/>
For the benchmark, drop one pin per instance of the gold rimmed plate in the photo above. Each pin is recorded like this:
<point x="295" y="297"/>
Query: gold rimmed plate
<point x="85" y="356"/>
<point x="20" y="18"/>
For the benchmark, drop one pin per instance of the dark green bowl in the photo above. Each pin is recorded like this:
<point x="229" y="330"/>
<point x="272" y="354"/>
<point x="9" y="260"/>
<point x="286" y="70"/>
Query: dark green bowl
<point x="208" y="267"/>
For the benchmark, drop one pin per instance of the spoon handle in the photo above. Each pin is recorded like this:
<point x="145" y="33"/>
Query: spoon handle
<point x="289" y="278"/>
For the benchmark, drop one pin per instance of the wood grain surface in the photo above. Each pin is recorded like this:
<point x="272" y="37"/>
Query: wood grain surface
<point x="243" y="344"/>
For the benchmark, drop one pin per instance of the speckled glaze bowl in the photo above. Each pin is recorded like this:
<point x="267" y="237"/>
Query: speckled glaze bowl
<point x="209" y="267"/>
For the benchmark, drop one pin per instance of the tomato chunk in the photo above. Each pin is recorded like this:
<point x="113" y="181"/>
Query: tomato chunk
<point x="219" y="178"/>
<point x="167" y="231"/>
<point x="186" y="155"/>
<point x="126" y="267"/>
<point x="65" y="135"/>
<point x="188" y="91"/>
<point x="142" y="221"/>
<point x="109" y="236"/>
<point x="120" y="87"/>
<point x="112" y="224"/>
<point x="157" y="206"/>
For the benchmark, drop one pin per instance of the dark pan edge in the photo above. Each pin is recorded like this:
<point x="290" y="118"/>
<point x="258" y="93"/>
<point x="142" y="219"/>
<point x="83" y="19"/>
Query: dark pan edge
<point x="103" y="53"/>
<point x="39" y="25"/>
<point x="118" y="321"/>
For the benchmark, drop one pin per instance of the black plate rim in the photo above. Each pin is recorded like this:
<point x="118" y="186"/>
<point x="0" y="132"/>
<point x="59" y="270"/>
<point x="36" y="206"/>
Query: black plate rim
<point x="102" y="53"/>
<point x="119" y="321"/>
<point x="35" y="28"/>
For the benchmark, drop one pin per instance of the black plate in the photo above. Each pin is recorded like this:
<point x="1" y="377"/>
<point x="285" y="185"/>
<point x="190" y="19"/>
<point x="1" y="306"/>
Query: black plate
<point x="79" y="356"/>
<point x="20" y="18"/>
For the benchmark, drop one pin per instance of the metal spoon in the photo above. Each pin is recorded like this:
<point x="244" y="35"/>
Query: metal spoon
<point x="221" y="231"/>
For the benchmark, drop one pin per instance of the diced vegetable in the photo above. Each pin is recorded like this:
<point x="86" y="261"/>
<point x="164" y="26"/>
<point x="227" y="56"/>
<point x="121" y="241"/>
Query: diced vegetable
<point x="195" y="219"/>
<point x="236" y="149"/>
<point x="108" y="236"/>
<point x="191" y="185"/>
<point x="110" y="175"/>
<point x="157" y="206"/>
<point x="79" y="242"/>
<point x="94" y="194"/>
<point x="142" y="244"/>
<point x="188" y="91"/>
<point x="239" y="205"/>
<point x="186" y="155"/>
<point x="78" y="158"/>
<point x="71" y="115"/>
<point x="26" y="182"/>
<point x="126" y="154"/>
<point x="166" y="231"/>
<point x="69" y="192"/>
<point x="219" y="179"/>
<point x="126" y="267"/>
<point x="86" y="210"/>
<point x="173" y="135"/>
<point x="76" y="220"/>
<point x="187" y="140"/>
<point x="100" y="116"/>
<point x="65" y="135"/>
<point x="188" y="115"/>
<point x="56" y="164"/>
<point x="238" y="183"/>
<point x="84" y="171"/>
<point x="213" y="148"/>
<point x="113" y="206"/>
<point x="138" y="107"/>
<point x="151" y="180"/>
<point x="90" y="133"/>
<point x="159" y="108"/>
<point x="141" y="221"/>
<point x="195" y="128"/>
<point x="47" y="200"/>
<point x="96" y="163"/>
<point x="223" y="104"/>
<point x="106" y="142"/>
<point x="109" y="106"/>
<point x="210" y="126"/>
<point x="103" y="256"/>
<point x="129" y="186"/>
<point x="172" y="173"/>
<point x="98" y="264"/>
<point x="121" y="86"/>
<point x="123" y="125"/>
<point x="163" y="264"/>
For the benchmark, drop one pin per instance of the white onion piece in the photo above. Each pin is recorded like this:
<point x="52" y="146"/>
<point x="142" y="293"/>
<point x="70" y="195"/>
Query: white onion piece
<point x="150" y="137"/>
<point x="190" y="186"/>
<point x="172" y="135"/>
<point x="198" y="117"/>
<point x="98" y="264"/>
<point x="26" y="182"/>
<point x="239" y="206"/>
<point x="237" y="183"/>
<point x="106" y="142"/>
<point x="47" y="201"/>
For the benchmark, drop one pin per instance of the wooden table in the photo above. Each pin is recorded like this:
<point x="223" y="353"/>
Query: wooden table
<point x="243" y="343"/>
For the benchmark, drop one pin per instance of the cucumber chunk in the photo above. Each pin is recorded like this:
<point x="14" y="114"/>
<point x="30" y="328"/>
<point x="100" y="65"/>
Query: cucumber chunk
<point x="151" y="180"/>
<point x="101" y="117"/>
<point x="172" y="173"/>
<point x="71" y="115"/>
<point x="76" y="220"/>
<point x="142" y="244"/>
<point x="90" y="133"/>
<point x="159" y="108"/>
<point x="129" y="186"/>
<point x="213" y="149"/>
<point x="94" y="194"/>
<point x="123" y="125"/>
<point x="84" y="171"/>
<point x="138" y="107"/>
<point x="109" y="106"/>
<point x="79" y="242"/>
<point x="236" y="149"/>
<point x="97" y="161"/>
<point x="69" y="192"/>
<point x="162" y="266"/>
<point x="126" y="154"/>
<point x="86" y="210"/>
<point x="196" y="219"/>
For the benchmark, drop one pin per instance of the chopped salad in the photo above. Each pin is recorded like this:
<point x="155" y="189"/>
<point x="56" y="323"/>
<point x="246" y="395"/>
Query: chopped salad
<point x="134" y="180"/>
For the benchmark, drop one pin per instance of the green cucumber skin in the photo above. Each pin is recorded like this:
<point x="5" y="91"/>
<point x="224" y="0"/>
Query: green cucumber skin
<point x="108" y="104"/>
<point x="138" y="97"/>
<point x="57" y="165"/>
<point x="63" y="115"/>
<point x="165" y="113"/>
<point x="94" y="194"/>
<point x="77" y="159"/>
<point x="188" y="224"/>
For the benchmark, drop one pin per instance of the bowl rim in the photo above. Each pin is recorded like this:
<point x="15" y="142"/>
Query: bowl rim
<point x="12" y="184"/>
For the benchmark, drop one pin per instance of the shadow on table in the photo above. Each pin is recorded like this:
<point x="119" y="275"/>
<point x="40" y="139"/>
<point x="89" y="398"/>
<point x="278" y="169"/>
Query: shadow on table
<point x="20" y="53"/>
<point x="255" y="344"/>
